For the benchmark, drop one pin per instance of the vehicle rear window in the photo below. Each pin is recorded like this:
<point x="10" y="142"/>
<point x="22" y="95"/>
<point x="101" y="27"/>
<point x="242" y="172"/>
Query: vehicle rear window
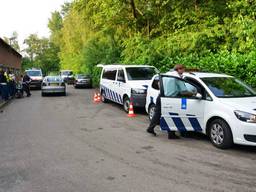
<point x="109" y="74"/>
<point x="54" y="78"/>
<point x="140" y="73"/>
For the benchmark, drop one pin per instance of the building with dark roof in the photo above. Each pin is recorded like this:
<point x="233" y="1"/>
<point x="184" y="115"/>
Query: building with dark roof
<point x="9" y="58"/>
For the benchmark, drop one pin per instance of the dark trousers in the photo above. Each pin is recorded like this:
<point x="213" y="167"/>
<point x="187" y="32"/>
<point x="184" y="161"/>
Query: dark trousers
<point x="4" y="91"/>
<point x="157" y="115"/>
<point x="26" y="89"/>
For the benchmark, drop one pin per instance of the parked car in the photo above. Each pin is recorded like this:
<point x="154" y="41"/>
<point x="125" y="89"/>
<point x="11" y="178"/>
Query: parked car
<point x="36" y="76"/>
<point x="221" y="107"/>
<point x="83" y="81"/>
<point x="123" y="83"/>
<point x="53" y="84"/>
<point x="67" y="76"/>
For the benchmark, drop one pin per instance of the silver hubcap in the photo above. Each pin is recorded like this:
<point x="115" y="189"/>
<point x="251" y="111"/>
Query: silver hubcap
<point x="151" y="112"/>
<point x="217" y="134"/>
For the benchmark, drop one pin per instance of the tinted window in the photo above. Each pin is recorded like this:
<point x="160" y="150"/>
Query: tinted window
<point x="120" y="75"/>
<point x="83" y="76"/>
<point x="228" y="87"/>
<point x="34" y="73"/>
<point x="54" y="78"/>
<point x="109" y="74"/>
<point x="140" y="73"/>
<point x="66" y="73"/>
<point x="155" y="83"/>
<point x="174" y="87"/>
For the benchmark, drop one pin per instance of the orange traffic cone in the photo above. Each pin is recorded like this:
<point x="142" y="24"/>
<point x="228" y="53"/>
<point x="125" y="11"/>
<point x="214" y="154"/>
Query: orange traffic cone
<point x="95" y="98"/>
<point x="98" y="97"/>
<point x="131" y="111"/>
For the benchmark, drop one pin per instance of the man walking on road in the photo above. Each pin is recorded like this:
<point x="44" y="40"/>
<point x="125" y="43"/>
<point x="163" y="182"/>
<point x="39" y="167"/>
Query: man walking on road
<point x="25" y="82"/>
<point x="180" y="69"/>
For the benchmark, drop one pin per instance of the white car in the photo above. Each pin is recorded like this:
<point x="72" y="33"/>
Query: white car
<point x="125" y="83"/>
<point x="36" y="76"/>
<point x="222" y="107"/>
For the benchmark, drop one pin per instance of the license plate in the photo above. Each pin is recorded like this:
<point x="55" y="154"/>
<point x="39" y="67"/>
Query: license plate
<point x="54" y="84"/>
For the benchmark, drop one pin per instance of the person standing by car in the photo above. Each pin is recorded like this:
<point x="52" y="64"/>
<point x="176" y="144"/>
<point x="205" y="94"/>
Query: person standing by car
<point x="3" y="86"/>
<point x="25" y="82"/>
<point x="179" y="69"/>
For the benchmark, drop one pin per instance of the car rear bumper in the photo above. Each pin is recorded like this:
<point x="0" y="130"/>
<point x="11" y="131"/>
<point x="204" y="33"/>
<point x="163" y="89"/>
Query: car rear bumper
<point x="53" y="89"/>
<point x="139" y="100"/>
<point x="84" y="84"/>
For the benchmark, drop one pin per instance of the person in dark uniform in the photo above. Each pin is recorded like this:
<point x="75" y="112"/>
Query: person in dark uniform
<point x="157" y="115"/>
<point x="25" y="83"/>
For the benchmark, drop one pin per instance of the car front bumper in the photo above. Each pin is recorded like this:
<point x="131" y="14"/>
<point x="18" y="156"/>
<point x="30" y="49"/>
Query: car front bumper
<point x="244" y="133"/>
<point x="138" y="100"/>
<point x="35" y="84"/>
<point x="53" y="89"/>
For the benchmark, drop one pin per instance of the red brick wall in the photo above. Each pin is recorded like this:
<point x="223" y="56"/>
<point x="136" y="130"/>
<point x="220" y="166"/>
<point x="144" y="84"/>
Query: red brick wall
<point x="8" y="58"/>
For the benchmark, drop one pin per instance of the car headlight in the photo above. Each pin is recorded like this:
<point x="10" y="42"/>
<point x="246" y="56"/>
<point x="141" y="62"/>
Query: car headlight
<point x="139" y="91"/>
<point x="246" y="117"/>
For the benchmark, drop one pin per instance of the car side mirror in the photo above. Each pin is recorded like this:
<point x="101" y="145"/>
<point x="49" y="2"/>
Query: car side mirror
<point x="199" y="96"/>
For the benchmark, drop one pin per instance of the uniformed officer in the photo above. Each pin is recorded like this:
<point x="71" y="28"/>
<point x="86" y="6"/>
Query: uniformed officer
<point x="25" y="83"/>
<point x="179" y="69"/>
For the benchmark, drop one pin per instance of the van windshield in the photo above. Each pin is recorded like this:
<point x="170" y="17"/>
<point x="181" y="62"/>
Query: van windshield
<point x="34" y="73"/>
<point x="140" y="73"/>
<point x="66" y="73"/>
<point x="228" y="87"/>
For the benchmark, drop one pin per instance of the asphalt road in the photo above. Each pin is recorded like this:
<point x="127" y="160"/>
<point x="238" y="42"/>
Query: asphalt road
<point x="69" y="144"/>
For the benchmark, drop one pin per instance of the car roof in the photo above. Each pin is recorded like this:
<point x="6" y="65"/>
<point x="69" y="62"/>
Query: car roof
<point x="120" y="66"/>
<point x="205" y="74"/>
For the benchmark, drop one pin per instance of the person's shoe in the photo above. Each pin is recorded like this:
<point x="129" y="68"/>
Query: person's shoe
<point x="151" y="132"/>
<point x="172" y="135"/>
<point x="29" y="95"/>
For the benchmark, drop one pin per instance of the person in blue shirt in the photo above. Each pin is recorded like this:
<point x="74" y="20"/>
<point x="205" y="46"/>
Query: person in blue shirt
<point x="175" y="87"/>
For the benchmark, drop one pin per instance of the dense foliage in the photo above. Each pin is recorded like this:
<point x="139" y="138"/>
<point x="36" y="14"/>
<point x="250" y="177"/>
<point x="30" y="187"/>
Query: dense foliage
<point x="212" y="35"/>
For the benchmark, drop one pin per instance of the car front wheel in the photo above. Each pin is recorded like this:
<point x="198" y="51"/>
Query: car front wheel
<point x="220" y="134"/>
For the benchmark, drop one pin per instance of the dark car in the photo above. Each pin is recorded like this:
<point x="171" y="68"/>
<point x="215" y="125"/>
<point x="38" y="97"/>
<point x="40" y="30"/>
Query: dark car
<point x="83" y="81"/>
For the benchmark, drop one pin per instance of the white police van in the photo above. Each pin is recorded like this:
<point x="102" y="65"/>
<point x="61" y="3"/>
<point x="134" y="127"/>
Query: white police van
<point x="125" y="83"/>
<point x="222" y="107"/>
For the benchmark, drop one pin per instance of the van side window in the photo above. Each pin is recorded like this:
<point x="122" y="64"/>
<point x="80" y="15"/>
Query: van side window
<point x="120" y="75"/>
<point x="109" y="74"/>
<point x="155" y="83"/>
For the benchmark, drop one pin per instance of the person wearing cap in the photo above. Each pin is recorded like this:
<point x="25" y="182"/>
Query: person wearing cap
<point x="178" y="87"/>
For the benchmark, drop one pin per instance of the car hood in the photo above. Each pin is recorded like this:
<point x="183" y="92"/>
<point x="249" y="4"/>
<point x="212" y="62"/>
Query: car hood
<point x="247" y="104"/>
<point x="143" y="84"/>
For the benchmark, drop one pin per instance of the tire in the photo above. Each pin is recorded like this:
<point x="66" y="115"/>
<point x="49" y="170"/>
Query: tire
<point x="103" y="97"/>
<point x="151" y="111"/>
<point x="42" y="94"/>
<point x="126" y="104"/>
<point x="220" y="134"/>
<point x="64" y="94"/>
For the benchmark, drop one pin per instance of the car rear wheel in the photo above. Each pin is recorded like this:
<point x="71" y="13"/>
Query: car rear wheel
<point x="220" y="134"/>
<point x="126" y="104"/>
<point x="103" y="97"/>
<point x="151" y="111"/>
